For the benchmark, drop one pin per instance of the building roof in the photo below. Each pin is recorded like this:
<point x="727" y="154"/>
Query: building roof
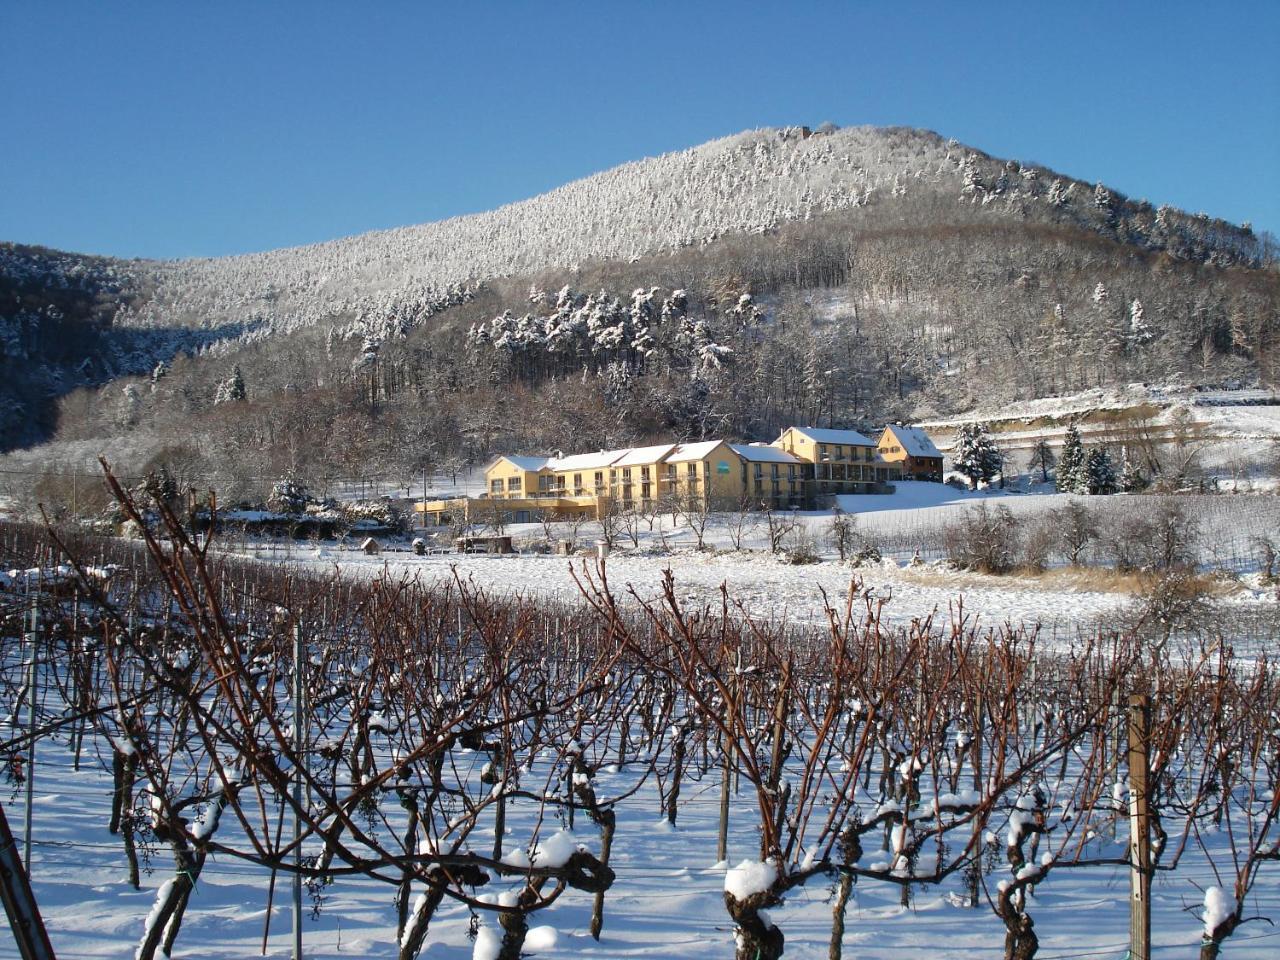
<point x="692" y="451"/>
<point x="587" y="461"/>
<point x="820" y="435"/>
<point x="914" y="441"/>
<point x="762" y="453"/>
<point x="525" y="463"/>
<point x="638" y="456"/>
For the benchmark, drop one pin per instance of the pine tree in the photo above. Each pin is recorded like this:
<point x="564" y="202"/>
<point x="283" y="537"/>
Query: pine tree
<point x="1131" y="478"/>
<point x="232" y="389"/>
<point x="976" y="455"/>
<point x="1042" y="457"/>
<point x="1139" y="332"/>
<point x="1100" y="475"/>
<point x="1070" y="477"/>
<point x="288" y="495"/>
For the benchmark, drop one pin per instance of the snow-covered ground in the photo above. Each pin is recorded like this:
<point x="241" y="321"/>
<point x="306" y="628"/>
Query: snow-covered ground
<point x="766" y="586"/>
<point x="1235" y="433"/>
<point x="667" y="900"/>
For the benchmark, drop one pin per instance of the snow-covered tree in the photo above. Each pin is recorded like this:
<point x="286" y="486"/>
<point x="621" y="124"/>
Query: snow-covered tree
<point x="976" y="456"/>
<point x="1070" y="477"/>
<point x="1131" y="478"/>
<point x="232" y="389"/>
<point x="1139" y="331"/>
<point x="288" y="495"/>
<point x="1042" y="458"/>
<point x="1099" y="473"/>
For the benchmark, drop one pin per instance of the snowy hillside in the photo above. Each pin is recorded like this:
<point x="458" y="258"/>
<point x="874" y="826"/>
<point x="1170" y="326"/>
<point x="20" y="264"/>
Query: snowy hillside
<point x="747" y="183"/>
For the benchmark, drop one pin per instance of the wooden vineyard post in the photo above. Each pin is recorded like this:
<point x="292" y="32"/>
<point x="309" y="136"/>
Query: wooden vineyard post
<point x="727" y="766"/>
<point x="975" y="750"/>
<point x="299" y="744"/>
<point x="1139" y="831"/>
<point x="33" y="675"/>
<point x="19" y="902"/>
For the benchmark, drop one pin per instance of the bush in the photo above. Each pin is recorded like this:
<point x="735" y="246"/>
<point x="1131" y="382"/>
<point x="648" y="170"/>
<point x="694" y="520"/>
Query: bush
<point x="867" y="552"/>
<point x="1075" y="528"/>
<point x="801" y="548"/>
<point x="1039" y="543"/>
<point x="983" y="539"/>
<point x="1160" y="540"/>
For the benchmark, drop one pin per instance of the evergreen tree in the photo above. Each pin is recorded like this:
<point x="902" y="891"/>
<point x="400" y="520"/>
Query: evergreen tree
<point x="1100" y="475"/>
<point x="1070" y="477"/>
<point x="288" y="495"/>
<point x="976" y="456"/>
<point x="1139" y="332"/>
<point x="1131" y="479"/>
<point x="1043" y="458"/>
<point x="232" y="389"/>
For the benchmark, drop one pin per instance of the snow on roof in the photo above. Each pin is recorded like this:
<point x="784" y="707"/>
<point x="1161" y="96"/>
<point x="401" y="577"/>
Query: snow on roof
<point x="820" y="435"/>
<point x="762" y="453"/>
<point x="525" y="463"/>
<point x="642" y="455"/>
<point x="693" y="451"/>
<point x="914" y="441"/>
<point x="588" y="461"/>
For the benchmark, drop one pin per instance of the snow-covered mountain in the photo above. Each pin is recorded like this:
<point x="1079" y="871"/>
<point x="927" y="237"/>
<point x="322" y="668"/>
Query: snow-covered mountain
<point x="68" y="319"/>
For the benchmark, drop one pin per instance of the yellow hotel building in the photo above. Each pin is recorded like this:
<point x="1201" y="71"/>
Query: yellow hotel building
<point x="804" y="468"/>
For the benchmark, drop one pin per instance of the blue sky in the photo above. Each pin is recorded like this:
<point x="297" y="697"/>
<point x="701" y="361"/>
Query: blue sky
<point x="177" y="129"/>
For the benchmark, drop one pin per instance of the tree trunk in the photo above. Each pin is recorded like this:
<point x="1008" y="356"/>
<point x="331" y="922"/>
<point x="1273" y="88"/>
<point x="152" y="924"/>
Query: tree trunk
<point x="837" y="916"/>
<point x="606" y="844"/>
<point x="124" y="771"/>
<point x="406" y="880"/>
<point x="755" y="939"/>
<point x="415" y="930"/>
<point x="673" y="796"/>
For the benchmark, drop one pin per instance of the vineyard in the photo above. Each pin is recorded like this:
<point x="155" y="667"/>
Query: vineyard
<point x="208" y="756"/>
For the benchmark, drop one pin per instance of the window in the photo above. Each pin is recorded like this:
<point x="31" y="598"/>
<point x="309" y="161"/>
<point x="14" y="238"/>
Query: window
<point x="599" y="480"/>
<point x="515" y="483"/>
<point x="692" y="470"/>
<point x="791" y="471"/>
<point x="822" y="449"/>
<point x="774" y="471"/>
<point x="839" y="452"/>
<point x="495" y="486"/>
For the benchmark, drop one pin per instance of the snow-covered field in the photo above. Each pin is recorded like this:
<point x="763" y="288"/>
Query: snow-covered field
<point x="765" y="586"/>
<point x="666" y="902"/>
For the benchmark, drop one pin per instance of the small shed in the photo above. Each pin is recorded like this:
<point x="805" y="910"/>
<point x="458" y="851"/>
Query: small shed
<point x="501" y="544"/>
<point x="371" y="546"/>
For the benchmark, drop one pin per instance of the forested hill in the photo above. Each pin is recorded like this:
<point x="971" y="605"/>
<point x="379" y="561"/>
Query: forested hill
<point x="839" y="275"/>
